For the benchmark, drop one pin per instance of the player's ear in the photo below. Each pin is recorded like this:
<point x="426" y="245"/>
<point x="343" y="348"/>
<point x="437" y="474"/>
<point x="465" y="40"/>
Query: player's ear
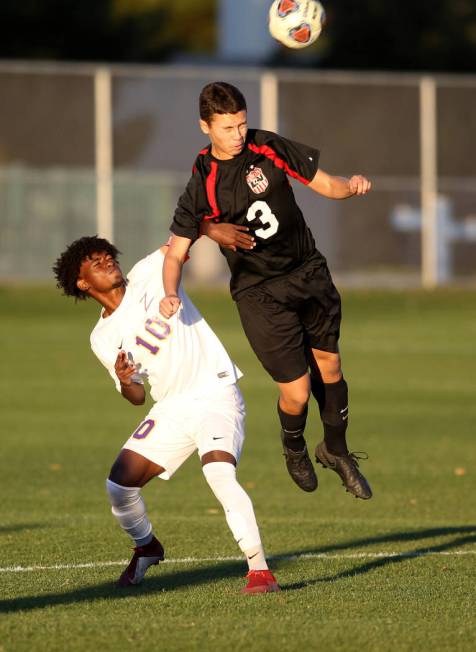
<point x="204" y="127"/>
<point x="82" y="285"/>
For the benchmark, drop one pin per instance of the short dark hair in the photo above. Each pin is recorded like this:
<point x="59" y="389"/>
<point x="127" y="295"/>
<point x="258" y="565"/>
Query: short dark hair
<point x="220" y="97"/>
<point x="67" y="266"/>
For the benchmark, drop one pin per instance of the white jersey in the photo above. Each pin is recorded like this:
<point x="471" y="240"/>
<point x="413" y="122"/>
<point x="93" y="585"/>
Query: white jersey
<point x="180" y="355"/>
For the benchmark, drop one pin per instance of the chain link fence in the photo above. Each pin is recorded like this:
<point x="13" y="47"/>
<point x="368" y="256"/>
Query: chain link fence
<point x="362" y="123"/>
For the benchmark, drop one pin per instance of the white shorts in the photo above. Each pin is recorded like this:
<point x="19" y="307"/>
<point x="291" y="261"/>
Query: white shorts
<point x="176" y="428"/>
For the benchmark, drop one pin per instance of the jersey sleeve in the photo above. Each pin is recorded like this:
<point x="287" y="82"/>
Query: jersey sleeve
<point x="151" y="264"/>
<point x="191" y="208"/>
<point x="299" y="161"/>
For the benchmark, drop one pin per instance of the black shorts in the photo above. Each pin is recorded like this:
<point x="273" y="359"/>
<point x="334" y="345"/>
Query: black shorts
<point x="285" y="317"/>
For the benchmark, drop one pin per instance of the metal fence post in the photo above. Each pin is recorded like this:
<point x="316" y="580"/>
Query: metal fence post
<point x="429" y="183"/>
<point x="269" y="102"/>
<point x="104" y="161"/>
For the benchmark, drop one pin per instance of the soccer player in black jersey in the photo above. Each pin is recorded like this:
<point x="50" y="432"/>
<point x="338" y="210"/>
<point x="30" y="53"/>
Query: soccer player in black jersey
<point x="289" y="307"/>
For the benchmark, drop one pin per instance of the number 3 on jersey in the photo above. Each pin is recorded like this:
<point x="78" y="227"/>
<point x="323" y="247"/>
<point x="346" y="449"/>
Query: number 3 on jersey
<point x="261" y="211"/>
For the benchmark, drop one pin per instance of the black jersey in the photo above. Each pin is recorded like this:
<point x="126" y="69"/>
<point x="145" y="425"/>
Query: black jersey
<point x="253" y="189"/>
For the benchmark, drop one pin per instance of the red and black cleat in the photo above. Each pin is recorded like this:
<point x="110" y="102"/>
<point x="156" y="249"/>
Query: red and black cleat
<point x="143" y="557"/>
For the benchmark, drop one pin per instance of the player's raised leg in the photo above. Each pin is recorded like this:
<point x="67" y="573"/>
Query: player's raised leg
<point x="129" y="473"/>
<point x="292" y="411"/>
<point x="275" y="334"/>
<point x="330" y="390"/>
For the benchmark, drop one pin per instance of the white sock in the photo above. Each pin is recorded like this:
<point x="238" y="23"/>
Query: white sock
<point x="256" y="558"/>
<point x="239" y="513"/>
<point x="129" y="508"/>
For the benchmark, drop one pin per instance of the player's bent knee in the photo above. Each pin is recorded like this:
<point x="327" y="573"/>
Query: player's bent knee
<point x="294" y="403"/>
<point x="294" y="396"/>
<point x="329" y="365"/>
<point x="220" y="477"/>
<point x="133" y="470"/>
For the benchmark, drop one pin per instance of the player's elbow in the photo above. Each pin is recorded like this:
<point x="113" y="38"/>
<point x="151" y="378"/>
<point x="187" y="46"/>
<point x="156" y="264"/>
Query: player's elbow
<point x="174" y="260"/>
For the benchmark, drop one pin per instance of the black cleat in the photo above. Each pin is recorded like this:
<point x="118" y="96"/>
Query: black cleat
<point x="142" y="559"/>
<point x="300" y="467"/>
<point x="347" y="468"/>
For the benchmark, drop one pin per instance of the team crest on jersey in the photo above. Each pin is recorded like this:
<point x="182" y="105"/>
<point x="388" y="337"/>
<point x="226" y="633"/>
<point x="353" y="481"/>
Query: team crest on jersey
<point x="256" y="180"/>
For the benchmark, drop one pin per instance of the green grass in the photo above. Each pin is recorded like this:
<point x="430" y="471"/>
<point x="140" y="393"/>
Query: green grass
<point x="410" y="359"/>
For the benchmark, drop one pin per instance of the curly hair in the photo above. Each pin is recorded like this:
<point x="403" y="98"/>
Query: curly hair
<point x="220" y="97"/>
<point x="67" y="266"/>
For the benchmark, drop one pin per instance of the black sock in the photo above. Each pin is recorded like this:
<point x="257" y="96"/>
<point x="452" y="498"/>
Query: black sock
<point x="318" y="391"/>
<point x="293" y="428"/>
<point x="334" y="407"/>
<point x="334" y="436"/>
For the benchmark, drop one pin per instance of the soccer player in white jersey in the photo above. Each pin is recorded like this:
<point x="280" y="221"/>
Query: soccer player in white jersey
<point x="198" y="405"/>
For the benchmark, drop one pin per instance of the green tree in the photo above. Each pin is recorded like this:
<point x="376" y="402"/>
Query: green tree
<point x="109" y="30"/>
<point x="435" y="35"/>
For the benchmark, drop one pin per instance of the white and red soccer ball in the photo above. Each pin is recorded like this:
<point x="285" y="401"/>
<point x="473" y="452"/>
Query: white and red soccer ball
<point x="296" y="23"/>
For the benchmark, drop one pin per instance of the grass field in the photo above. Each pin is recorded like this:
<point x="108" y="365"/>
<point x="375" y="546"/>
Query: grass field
<point x="394" y="573"/>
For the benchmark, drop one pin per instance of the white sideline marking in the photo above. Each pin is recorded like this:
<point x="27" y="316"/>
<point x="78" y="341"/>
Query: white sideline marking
<point x="197" y="560"/>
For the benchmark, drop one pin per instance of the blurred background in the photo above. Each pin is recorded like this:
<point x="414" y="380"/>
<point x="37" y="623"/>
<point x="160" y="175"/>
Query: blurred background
<point x="98" y="133"/>
<point x="99" y="127"/>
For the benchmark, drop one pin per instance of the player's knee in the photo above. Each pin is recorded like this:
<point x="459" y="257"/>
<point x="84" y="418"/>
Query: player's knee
<point x="294" y="395"/>
<point x="120" y="473"/>
<point x="329" y="366"/>
<point x="295" y="401"/>
<point x="221" y="478"/>
<point x="132" y="470"/>
<point x="126" y="476"/>
<point x="219" y="473"/>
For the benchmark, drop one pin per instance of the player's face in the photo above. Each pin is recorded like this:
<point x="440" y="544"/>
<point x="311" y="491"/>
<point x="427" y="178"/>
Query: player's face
<point x="227" y="133"/>
<point x="100" y="273"/>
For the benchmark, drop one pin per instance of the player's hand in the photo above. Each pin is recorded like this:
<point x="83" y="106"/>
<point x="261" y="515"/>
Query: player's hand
<point x="359" y="185"/>
<point x="169" y="305"/>
<point x="124" y="368"/>
<point x="229" y="236"/>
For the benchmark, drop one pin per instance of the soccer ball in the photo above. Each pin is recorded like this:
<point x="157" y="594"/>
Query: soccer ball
<point x="296" y="23"/>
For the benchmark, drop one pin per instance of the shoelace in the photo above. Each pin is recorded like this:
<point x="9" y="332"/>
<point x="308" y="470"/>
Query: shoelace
<point x="358" y="455"/>
<point x="352" y="457"/>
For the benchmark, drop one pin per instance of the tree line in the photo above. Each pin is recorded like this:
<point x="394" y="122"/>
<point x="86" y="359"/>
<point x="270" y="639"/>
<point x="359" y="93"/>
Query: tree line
<point x="433" y="35"/>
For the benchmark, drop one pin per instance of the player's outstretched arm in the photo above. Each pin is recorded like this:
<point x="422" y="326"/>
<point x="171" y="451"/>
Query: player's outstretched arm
<point x="125" y="369"/>
<point x="229" y="236"/>
<point x="172" y="274"/>
<point x="339" y="187"/>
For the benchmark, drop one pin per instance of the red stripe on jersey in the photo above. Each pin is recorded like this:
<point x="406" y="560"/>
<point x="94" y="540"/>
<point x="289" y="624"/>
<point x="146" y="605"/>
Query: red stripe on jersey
<point x="202" y="152"/>
<point x="211" y="191"/>
<point x="279" y="162"/>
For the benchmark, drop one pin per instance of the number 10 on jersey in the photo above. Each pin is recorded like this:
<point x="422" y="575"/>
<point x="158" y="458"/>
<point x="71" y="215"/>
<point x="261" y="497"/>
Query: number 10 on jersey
<point x="159" y="329"/>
